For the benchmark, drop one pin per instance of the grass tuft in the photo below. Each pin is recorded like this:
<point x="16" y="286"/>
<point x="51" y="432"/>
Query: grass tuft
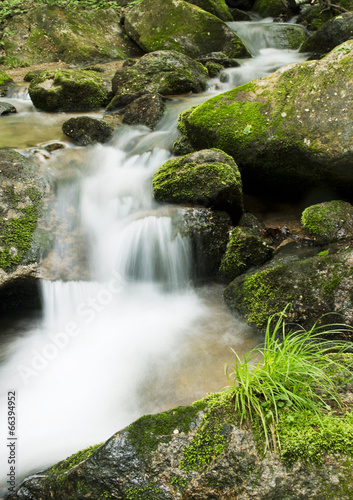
<point x="293" y="375"/>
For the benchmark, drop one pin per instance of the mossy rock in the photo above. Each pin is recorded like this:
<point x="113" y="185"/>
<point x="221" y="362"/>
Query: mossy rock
<point x="314" y="17"/>
<point x="330" y="35"/>
<point x="209" y="178"/>
<point x="246" y="249"/>
<point x="5" y="82"/>
<point x="182" y="146"/>
<point x="86" y="130"/>
<point x="6" y="108"/>
<point x="165" y="72"/>
<point x="182" y="27"/>
<point x="270" y="8"/>
<point x="316" y="286"/>
<point x="290" y="133"/>
<point x="329" y="221"/>
<point x="208" y="231"/>
<point x="77" y="36"/>
<point x="145" y="110"/>
<point x="201" y="451"/>
<point x="69" y="90"/>
<point x="218" y="8"/>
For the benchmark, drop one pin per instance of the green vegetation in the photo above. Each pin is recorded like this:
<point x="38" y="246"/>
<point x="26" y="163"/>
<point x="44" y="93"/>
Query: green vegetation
<point x="293" y="378"/>
<point x="72" y="460"/>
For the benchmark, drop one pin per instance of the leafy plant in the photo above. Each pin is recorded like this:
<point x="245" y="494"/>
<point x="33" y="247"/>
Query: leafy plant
<point x="294" y="375"/>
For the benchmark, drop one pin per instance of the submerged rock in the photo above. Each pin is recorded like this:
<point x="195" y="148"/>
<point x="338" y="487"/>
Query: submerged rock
<point x="182" y="27"/>
<point x="209" y="178"/>
<point x="7" y="108"/>
<point x="77" y="36"/>
<point x="69" y="90"/>
<point x="87" y="130"/>
<point x="329" y="222"/>
<point x="316" y="286"/>
<point x="166" y="72"/>
<point x="290" y="132"/>
<point x="201" y="452"/>
<point x="22" y="193"/>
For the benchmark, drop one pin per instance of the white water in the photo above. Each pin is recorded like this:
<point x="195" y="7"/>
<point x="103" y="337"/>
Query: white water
<point x="135" y="337"/>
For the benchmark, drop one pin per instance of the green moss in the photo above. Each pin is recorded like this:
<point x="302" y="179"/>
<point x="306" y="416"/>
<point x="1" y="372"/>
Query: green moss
<point x="148" y="431"/>
<point x="72" y="460"/>
<point x="324" y="220"/>
<point x="151" y="490"/>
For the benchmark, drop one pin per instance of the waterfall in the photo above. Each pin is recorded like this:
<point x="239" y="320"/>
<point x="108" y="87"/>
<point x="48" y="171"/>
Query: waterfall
<point x="123" y="331"/>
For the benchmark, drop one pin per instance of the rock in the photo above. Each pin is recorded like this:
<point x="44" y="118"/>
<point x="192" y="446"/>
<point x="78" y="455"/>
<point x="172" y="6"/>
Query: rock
<point x="23" y="191"/>
<point x="213" y="69"/>
<point x="145" y="110"/>
<point x="76" y="36"/>
<point x="209" y="178"/>
<point x="121" y="101"/>
<point x="218" y="8"/>
<point x="270" y="8"/>
<point x="182" y="146"/>
<point x="85" y="130"/>
<point x="7" y="108"/>
<point x="208" y="231"/>
<point x="286" y="35"/>
<point x="246" y="249"/>
<point x="329" y="222"/>
<point x="314" y="17"/>
<point x="69" y="90"/>
<point x="6" y="82"/>
<point x="240" y="15"/>
<point x="182" y="27"/>
<point x="201" y="452"/>
<point x="290" y="133"/>
<point x="332" y="33"/>
<point x="219" y="58"/>
<point x="165" y="72"/>
<point x="316" y="286"/>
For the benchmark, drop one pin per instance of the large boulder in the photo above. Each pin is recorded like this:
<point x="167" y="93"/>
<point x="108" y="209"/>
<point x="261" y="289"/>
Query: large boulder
<point x="209" y="178"/>
<point x="69" y="90"/>
<point x="290" y="133"/>
<point x="316" y="286"/>
<point x="5" y="82"/>
<point x="165" y="72"/>
<point x="23" y="191"/>
<point x="329" y="222"/>
<point x="77" y="36"/>
<point x="182" y="27"/>
<point x="86" y="130"/>
<point x="208" y="232"/>
<point x="201" y="452"/>
<point x="333" y="33"/>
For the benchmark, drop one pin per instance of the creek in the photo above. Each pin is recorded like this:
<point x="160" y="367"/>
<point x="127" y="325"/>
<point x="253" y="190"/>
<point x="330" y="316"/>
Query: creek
<point x="123" y="330"/>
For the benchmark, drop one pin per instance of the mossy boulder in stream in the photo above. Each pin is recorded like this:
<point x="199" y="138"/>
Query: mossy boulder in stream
<point x="316" y="286"/>
<point x="182" y="27"/>
<point x="5" y="82"/>
<point x="86" y="130"/>
<point x="77" y="36"/>
<point x="202" y="452"/>
<point x="329" y="221"/>
<point x="166" y="72"/>
<point x="332" y="33"/>
<point x="209" y="178"/>
<point x="245" y="249"/>
<point x="290" y="133"/>
<point x="22" y="191"/>
<point x="69" y="90"/>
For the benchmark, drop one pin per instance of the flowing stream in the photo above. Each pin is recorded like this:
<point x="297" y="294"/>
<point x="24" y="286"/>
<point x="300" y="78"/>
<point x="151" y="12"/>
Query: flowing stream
<point x="123" y="331"/>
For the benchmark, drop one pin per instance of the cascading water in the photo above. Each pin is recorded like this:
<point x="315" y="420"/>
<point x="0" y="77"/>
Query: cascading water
<point x="124" y="332"/>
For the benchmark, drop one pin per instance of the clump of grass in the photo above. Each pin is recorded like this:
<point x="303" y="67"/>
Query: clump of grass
<point x="293" y="375"/>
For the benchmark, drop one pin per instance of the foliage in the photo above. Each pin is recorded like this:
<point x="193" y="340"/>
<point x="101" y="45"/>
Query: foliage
<point x="296" y="367"/>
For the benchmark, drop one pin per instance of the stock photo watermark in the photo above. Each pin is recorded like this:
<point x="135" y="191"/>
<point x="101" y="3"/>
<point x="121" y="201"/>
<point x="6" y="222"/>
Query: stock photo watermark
<point x="11" y="440"/>
<point x="87" y="310"/>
